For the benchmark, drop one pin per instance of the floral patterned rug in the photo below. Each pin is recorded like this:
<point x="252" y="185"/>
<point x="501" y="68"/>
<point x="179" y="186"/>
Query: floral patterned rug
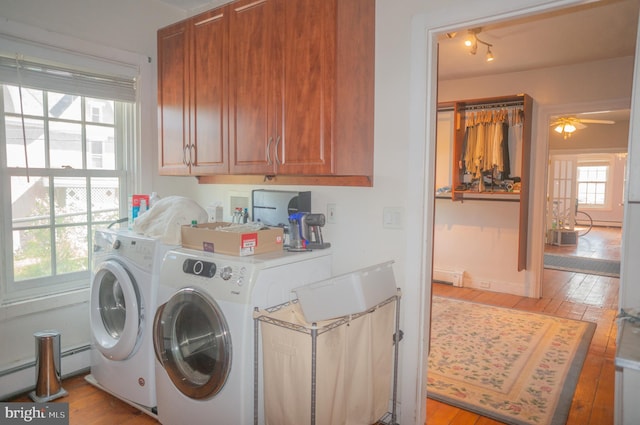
<point x="513" y="366"/>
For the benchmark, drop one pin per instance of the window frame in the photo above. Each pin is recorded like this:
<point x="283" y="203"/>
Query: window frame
<point x="124" y="133"/>
<point x="597" y="162"/>
<point x="12" y="292"/>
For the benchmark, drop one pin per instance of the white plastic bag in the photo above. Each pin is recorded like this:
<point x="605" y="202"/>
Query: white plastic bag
<point x="167" y="216"/>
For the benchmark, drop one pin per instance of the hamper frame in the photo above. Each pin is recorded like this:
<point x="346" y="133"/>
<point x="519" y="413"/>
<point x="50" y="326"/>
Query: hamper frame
<point x="314" y="331"/>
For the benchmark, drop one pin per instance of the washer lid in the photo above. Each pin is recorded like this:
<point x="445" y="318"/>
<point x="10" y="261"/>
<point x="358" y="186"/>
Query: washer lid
<point x="116" y="311"/>
<point x="193" y="343"/>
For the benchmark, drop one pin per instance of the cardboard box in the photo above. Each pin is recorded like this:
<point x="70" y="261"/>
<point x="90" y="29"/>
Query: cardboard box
<point x="237" y="239"/>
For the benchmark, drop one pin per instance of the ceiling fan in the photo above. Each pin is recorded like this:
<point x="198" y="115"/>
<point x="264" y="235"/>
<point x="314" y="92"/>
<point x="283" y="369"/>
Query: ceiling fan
<point x="567" y="125"/>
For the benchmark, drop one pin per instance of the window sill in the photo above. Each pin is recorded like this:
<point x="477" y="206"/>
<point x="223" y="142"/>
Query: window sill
<point x="17" y="309"/>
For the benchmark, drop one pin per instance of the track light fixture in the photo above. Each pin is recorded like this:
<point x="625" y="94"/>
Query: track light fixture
<point x="489" y="56"/>
<point x="472" y="41"/>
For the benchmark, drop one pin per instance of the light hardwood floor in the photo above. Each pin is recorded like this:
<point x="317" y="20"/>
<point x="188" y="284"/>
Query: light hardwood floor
<point x="565" y="294"/>
<point x="89" y="405"/>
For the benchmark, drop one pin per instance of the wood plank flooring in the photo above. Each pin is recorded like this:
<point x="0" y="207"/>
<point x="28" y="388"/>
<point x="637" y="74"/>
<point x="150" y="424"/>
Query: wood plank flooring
<point x="565" y="294"/>
<point x="89" y="405"/>
<point x="600" y="242"/>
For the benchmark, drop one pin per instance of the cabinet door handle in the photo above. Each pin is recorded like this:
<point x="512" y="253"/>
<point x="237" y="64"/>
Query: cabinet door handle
<point x="192" y="154"/>
<point x="276" y="149"/>
<point x="184" y="154"/>
<point x="269" y="162"/>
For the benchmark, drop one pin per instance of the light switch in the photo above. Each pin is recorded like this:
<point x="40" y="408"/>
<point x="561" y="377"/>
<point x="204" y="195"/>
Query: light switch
<point x="393" y="217"/>
<point x="332" y="212"/>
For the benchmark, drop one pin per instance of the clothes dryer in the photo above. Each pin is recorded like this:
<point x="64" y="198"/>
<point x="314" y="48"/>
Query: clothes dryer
<point x="204" y="328"/>
<point x="123" y="300"/>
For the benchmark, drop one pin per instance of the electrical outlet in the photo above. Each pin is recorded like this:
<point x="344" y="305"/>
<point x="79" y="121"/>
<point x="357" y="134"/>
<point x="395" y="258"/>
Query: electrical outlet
<point x="332" y="213"/>
<point x="485" y="284"/>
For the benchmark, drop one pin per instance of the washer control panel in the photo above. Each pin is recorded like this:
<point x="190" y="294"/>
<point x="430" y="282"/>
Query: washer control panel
<point x="223" y="278"/>
<point x="136" y="249"/>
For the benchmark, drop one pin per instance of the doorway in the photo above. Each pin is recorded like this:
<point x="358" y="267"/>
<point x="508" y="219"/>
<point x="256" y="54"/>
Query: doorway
<point x="586" y="178"/>
<point x="451" y="89"/>
<point x="546" y="84"/>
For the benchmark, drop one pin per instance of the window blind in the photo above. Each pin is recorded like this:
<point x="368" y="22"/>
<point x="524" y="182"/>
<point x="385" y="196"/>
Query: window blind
<point x="70" y="81"/>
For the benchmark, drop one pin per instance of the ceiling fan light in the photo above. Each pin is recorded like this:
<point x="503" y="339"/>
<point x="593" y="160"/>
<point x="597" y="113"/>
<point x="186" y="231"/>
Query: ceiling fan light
<point x="569" y="128"/>
<point x="559" y="129"/>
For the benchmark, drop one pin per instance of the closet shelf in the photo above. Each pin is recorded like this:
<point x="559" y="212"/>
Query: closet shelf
<point x="486" y="196"/>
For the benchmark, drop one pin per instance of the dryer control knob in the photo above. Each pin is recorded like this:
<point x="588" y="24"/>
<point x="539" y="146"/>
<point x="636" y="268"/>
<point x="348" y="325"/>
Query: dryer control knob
<point x="116" y="244"/>
<point x="226" y="273"/>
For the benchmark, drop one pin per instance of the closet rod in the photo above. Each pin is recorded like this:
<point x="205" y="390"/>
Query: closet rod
<point x="492" y="105"/>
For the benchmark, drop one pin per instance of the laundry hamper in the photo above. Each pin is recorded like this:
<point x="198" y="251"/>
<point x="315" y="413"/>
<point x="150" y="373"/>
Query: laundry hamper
<point x="338" y="371"/>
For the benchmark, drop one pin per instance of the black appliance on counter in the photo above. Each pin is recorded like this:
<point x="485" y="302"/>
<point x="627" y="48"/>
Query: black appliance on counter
<point x="273" y="207"/>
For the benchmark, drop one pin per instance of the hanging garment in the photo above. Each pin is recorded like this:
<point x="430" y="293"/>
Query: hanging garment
<point x="492" y="143"/>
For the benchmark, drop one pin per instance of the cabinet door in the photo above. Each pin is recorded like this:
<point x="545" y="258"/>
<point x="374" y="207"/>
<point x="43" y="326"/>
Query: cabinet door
<point x="173" y="112"/>
<point x="305" y="116"/>
<point x="253" y="82"/>
<point x="209" y="93"/>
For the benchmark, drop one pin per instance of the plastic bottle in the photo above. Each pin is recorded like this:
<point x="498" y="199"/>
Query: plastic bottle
<point x="153" y="198"/>
<point x="245" y="216"/>
<point x="143" y="206"/>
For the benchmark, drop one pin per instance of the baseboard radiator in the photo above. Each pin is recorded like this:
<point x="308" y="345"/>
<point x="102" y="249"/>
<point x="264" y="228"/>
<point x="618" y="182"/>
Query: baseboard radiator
<point x="21" y="379"/>
<point x="451" y="277"/>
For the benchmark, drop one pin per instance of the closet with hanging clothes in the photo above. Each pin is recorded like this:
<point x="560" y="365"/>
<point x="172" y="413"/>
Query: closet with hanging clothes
<point x="491" y="155"/>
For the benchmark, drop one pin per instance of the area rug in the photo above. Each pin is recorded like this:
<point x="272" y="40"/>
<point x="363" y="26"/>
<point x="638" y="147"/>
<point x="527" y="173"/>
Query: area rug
<point x="512" y="366"/>
<point x="572" y="263"/>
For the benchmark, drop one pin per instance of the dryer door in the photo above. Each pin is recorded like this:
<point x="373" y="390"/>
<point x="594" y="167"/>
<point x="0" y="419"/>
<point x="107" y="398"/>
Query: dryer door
<point x="116" y="317"/>
<point x="193" y="343"/>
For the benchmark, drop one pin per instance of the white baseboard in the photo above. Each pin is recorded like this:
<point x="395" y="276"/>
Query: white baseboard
<point x="493" y="285"/>
<point x="22" y="379"/>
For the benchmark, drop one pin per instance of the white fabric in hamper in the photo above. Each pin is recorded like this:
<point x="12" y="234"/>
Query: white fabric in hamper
<point x="353" y="369"/>
<point x="370" y="364"/>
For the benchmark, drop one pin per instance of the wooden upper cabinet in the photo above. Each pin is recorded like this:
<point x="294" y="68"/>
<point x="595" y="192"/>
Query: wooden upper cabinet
<point x="209" y="91"/>
<point x="192" y="95"/>
<point x="301" y="84"/>
<point x="307" y="72"/>
<point x="276" y="88"/>
<point x="252" y="81"/>
<point x="173" y="92"/>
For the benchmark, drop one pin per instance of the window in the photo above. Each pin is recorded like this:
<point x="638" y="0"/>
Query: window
<point x="64" y="167"/>
<point x="592" y="184"/>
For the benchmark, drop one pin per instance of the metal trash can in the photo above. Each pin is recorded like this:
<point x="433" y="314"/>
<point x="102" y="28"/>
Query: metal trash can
<point x="48" y="372"/>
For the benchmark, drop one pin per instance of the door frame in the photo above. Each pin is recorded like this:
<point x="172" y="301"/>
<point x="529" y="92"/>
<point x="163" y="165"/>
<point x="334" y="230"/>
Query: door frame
<point x="422" y="133"/>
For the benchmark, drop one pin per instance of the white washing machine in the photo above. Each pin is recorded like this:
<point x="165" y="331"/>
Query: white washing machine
<point x="124" y="292"/>
<point x="204" y="329"/>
